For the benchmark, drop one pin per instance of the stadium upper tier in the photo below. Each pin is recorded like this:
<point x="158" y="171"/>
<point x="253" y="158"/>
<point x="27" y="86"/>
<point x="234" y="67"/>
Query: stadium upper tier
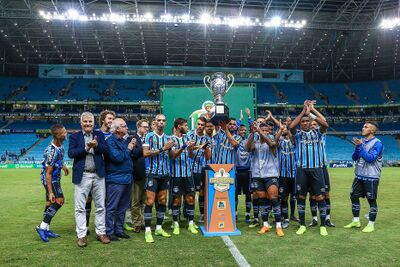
<point x="36" y="89"/>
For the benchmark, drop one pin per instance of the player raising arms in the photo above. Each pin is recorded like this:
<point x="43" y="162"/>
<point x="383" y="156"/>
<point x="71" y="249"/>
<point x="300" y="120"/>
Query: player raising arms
<point x="287" y="168"/>
<point x="264" y="169"/>
<point x="53" y="163"/>
<point x="155" y="150"/>
<point x="309" y="174"/>
<point x="313" y="203"/>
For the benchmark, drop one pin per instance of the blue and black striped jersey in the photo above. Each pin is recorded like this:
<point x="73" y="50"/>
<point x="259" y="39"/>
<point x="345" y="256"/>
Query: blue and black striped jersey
<point x="225" y="153"/>
<point x="158" y="164"/>
<point x="243" y="158"/>
<point x="323" y="154"/>
<point x="287" y="158"/>
<point x="182" y="165"/>
<point x="308" y="149"/>
<point x="53" y="156"/>
<point x="199" y="159"/>
<point x="213" y="145"/>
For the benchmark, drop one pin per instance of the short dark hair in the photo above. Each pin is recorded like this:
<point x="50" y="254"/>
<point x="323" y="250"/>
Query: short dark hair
<point x="242" y="125"/>
<point x="56" y="128"/>
<point x="263" y="125"/>
<point x="232" y="119"/>
<point x="202" y="119"/>
<point x="179" y="121"/>
<point x="269" y="123"/>
<point x="373" y="123"/>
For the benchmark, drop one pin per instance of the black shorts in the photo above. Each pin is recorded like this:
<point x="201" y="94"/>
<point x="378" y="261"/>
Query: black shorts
<point x="364" y="188"/>
<point x="57" y="191"/>
<point x="182" y="186"/>
<point x="311" y="180"/>
<point x="198" y="179"/>
<point x="327" y="181"/>
<point x="242" y="182"/>
<point x="157" y="183"/>
<point x="286" y="186"/>
<point x="262" y="184"/>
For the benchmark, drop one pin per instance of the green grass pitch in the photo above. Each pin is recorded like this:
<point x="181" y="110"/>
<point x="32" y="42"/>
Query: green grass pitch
<point x="22" y="202"/>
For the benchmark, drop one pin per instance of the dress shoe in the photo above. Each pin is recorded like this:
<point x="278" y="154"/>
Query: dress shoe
<point x="113" y="237"/>
<point x="103" y="239"/>
<point x="82" y="242"/>
<point x="122" y="235"/>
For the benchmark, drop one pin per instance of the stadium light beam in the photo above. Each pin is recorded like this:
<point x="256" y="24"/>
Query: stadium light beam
<point x="389" y="23"/>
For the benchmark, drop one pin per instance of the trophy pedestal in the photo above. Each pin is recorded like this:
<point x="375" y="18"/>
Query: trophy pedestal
<point x="221" y="113"/>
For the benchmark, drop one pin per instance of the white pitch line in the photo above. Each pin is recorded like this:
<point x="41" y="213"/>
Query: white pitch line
<point x="240" y="259"/>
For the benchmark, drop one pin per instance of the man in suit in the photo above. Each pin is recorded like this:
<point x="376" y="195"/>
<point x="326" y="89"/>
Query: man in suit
<point x="87" y="148"/>
<point x="118" y="179"/>
<point x="106" y="118"/>
<point x="139" y="176"/>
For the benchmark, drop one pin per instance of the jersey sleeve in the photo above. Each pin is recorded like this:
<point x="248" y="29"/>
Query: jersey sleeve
<point x="147" y="140"/>
<point x="51" y="156"/>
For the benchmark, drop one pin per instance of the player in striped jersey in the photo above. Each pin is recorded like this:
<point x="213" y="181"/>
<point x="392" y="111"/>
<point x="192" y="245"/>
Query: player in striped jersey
<point x="287" y="169"/>
<point x="53" y="163"/>
<point x="202" y="153"/>
<point x="106" y="118"/>
<point x="226" y="143"/>
<point x="182" y="182"/>
<point x="309" y="174"/>
<point x="264" y="169"/>
<point x="155" y="151"/>
<point x="242" y="164"/>
<point x="255" y="201"/>
<point x="209" y="130"/>
<point x="313" y="203"/>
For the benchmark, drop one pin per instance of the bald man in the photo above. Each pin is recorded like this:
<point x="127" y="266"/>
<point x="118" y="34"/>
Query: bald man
<point x="368" y="157"/>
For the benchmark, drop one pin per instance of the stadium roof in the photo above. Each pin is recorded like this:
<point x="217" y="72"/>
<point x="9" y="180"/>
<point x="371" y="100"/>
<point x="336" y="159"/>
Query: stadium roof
<point x="340" y="41"/>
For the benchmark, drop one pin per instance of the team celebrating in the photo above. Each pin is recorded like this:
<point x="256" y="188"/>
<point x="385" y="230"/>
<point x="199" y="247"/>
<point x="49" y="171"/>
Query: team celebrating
<point x="277" y="163"/>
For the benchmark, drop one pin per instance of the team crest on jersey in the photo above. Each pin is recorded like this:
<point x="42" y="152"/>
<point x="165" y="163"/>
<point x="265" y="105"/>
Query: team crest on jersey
<point x="298" y="187"/>
<point x="280" y="189"/>
<point x="176" y="189"/>
<point x="150" y="183"/>
<point x="222" y="180"/>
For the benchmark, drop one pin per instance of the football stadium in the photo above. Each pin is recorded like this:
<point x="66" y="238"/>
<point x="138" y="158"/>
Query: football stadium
<point x="199" y="132"/>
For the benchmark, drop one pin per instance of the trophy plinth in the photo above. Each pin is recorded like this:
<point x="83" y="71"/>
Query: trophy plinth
<point x="219" y="84"/>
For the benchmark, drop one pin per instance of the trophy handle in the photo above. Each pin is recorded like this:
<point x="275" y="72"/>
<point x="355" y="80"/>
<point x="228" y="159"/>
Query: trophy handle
<point x="231" y="80"/>
<point x="206" y="81"/>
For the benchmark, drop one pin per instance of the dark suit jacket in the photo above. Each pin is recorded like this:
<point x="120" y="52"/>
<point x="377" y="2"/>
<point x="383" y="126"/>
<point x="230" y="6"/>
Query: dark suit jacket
<point x="139" y="171"/>
<point x="76" y="151"/>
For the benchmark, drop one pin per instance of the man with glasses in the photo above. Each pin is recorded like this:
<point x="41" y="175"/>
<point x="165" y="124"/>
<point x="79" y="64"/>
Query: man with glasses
<point x="118" y="179"/>
<point x="139" y="176"/>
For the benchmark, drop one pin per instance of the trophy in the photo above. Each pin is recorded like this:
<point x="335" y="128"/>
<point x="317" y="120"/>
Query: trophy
<point x="219" y="84"/>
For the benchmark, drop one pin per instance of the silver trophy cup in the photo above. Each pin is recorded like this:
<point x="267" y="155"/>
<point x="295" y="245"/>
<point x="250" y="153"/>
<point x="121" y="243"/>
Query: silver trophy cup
<point x="219" y="84"/>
